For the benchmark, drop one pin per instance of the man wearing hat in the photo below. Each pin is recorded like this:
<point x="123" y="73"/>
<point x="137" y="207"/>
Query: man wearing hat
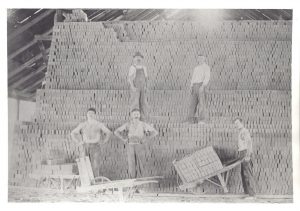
<point x="137" y="78"/>
<point x="200" y="79"/>
<point x="245" y="152"/>
<point x="135" y="133"/>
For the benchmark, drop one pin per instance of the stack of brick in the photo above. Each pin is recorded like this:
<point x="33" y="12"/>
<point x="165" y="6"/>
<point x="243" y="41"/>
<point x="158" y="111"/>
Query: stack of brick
<point x="88" y="67"/>
<point x="96" y="64"/>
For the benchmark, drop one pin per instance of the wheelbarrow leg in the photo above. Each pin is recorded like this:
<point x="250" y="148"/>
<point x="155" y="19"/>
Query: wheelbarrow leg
<point x="223" y="183"/>
<point x="120" y="193"/>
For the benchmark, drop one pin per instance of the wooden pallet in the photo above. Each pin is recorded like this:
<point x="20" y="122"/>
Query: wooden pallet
<point x="62" y="181"/>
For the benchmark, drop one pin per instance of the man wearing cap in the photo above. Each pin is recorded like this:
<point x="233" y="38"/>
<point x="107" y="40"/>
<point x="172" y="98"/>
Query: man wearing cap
<point x="135" y="134"/>
<point x="245" y="152"/>
<point x="88" y="134"/>
<point x="137" y="78"/>
<point x="200" y="79"/>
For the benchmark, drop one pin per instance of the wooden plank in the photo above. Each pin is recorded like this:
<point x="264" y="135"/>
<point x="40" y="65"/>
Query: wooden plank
<point x="26" y="64"/>
<point x="20" y="95"/>
<point x="223" y="183"/>
<point x="116" y="184"/>
<point x="84" y="176"/>
<point x="29" y="88"/>
<point x="27" y="77"/>
<point x="89" y="169"/>
<point x="43" y="37"/>
<point x="148" y="178"/>
<point x="217" y="195"/>
<point x="30" y="24"/>
<point x="42" y="49"/>
<point x="28" y="45"/>
<point x="54" y="176"/>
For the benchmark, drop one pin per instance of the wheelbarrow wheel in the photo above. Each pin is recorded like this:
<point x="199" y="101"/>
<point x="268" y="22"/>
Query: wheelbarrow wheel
<point x="197" y="189"/>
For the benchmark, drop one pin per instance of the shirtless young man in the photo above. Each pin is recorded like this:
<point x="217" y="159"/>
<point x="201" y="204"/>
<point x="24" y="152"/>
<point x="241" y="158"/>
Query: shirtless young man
<point x="88" y="134"/>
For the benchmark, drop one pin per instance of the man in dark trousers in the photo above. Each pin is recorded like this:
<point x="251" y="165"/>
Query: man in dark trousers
<point x="199" y="81"/>
<point x="88" y="134"/>
<point x="137" y="78"/>
<point x="136" y="134"/>
<point x="245" y="152"/>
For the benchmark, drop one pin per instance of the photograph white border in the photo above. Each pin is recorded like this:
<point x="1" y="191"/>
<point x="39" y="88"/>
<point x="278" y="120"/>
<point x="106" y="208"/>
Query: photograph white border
<point x="186" y="4"/>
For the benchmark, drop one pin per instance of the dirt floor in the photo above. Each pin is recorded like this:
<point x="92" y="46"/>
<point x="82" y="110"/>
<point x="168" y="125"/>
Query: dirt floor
<point x="21" y="194"/>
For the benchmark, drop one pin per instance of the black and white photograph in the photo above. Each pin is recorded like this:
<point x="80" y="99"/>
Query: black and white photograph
<point x="150" y="105"/>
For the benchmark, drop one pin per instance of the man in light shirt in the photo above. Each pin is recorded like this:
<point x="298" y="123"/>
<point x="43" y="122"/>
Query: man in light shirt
<point x="137" y="78"/>
<point x="88" y="134"/>
<point x="245" y="152"/>
<point x="135" y="133"/>
<point x="200" y="79"/>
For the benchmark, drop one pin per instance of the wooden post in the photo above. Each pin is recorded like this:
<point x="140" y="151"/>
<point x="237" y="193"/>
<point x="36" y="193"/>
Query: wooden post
<point x="43" y="50"/>
<point x="61" y="183"/>
<point x="120" y="193"/>
<point x="222" y="183"/>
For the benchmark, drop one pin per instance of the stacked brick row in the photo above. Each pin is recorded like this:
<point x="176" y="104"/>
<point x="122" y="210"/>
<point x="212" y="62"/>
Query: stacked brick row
<point x="254" y="106"/>
<point x="88" y="67"/>
<point x="86" y="60"/>
<point x="235" y="30"/>
<point x="272" y="157"/>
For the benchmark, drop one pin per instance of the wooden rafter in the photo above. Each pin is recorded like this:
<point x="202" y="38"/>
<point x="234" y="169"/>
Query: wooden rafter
<point x="43" y="51"/>
<point x="43" y="37"/>
<point x="29" y="88"/>
<point x="25" y="47"/>
<point x="21" y="95"/>
<point x="26" y="64"/>
<point x="27" y="77"/>
<point x="29" y="24"/>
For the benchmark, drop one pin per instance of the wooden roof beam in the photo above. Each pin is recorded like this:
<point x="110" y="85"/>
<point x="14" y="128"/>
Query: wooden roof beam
<point x="27" y="77"/>
<point x="29" y="25"/>
<point x="29" y="88"/>
<point x="25" y="47"/>
<point x="26" y="64"/>
<point x="42" y="37"/>
<point x="21" y="95"/>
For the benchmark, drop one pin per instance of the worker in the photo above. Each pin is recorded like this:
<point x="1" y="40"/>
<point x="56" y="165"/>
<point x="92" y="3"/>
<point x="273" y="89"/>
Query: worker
<point x="137" y="78"/>
<point x="88" y="134"/>
<point x="199" y="81"/>
<point x="245" y="152"/>
<point x="135" y="134"/>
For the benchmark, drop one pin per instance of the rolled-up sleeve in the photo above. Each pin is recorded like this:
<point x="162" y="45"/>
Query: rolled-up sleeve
<point x="248" y="141"/>
<point x="146" y="72"/>
<point x="207" y="76"/>
<point x="131" y="73"/>
<point x="194" y="76"/>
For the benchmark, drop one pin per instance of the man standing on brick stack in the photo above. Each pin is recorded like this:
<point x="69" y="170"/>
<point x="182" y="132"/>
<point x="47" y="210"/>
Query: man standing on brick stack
<point x="200" y="79"/>
<point x="135" y="133"/>
<point x="245" y="153"/>
<point x="137" y="78"/>
<point x="90" y="132"/>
